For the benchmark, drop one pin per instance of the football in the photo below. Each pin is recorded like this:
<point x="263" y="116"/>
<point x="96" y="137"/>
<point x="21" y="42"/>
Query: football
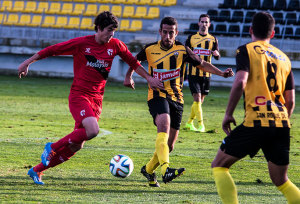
<point x="121" y="166"/>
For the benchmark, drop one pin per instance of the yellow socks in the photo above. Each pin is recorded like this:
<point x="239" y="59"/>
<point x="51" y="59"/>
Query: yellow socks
<point x="225" y="185"/>
<point x="290" y="191"/>
<point x="162" y="150"/>
<point x="197" y="106"/>
<point x="152" y="164"/>
<point x="192" y="115"/>
<point x="228" y="193"/>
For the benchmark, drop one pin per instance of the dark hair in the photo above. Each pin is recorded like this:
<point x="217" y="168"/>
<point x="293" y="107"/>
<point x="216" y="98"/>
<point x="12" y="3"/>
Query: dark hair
<point x="169" y="21"/>
<point x="204" y="15"/>
<point x="105" y="19"/>
<point x="263" y="24"/>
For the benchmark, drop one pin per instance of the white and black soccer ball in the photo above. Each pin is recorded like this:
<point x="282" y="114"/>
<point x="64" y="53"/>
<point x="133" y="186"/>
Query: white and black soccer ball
<point x="121" y="166"/>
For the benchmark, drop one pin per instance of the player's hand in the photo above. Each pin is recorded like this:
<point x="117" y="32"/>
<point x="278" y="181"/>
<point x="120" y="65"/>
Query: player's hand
<point x="228" y="73"/>
<point x="155" y="83"/>
<point x="128" y="82"/>
<point x="226" y="123"/>
<point x="23" y="69"/>
<point x="215" y="53"/>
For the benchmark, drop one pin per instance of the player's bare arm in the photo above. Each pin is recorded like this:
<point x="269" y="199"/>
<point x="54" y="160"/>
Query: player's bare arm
<point x="23" y="67"/>
<point x="128" y="81"/>
<point x="235" y="95"/>
<point x="154" y="83"/>
<point x="289" y="97"/>
<point x="207" y="67"/>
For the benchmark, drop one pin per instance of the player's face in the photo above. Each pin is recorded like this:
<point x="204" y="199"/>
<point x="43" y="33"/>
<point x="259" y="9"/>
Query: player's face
<point x="106" y="34"/>
<point x="204" y="24"/>
<point x="168" y="34"/>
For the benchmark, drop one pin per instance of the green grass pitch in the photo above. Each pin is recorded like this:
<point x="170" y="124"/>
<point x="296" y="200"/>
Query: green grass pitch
<point x="35" y="111"/>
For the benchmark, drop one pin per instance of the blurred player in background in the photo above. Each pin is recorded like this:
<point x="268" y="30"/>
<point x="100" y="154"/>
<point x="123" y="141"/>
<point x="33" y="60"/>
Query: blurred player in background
<point x="204" y="45"/>
<point x="166" y="61"/>
<point x="93" y="56"/>
<point x="265" y="78"/>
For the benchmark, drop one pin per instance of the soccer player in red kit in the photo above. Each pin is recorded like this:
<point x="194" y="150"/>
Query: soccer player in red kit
<point x="93" y="56"/>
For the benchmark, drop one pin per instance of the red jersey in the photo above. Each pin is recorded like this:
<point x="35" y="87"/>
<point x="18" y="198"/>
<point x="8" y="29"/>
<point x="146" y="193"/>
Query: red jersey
<point x="92" y="61"/>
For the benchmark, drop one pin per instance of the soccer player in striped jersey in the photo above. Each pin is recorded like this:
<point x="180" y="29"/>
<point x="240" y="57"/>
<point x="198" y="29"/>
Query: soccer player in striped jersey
<point x="265" y="78"/>
<point x="167" y="61"/>
<point x="205" y="45"/>
<point x="93" y="56"/>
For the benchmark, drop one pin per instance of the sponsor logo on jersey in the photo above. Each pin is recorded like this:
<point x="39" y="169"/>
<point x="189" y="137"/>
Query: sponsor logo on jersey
<point x="88" y="50"/>
<point x="99" y="65"/>
<point x="166" y="75"/>
<point x="271" y="54"/>
<point x="110" y="52"/>
<point x="201" y="51"/>
<point x="155" y="53"/>
<point x="96" y="63"/>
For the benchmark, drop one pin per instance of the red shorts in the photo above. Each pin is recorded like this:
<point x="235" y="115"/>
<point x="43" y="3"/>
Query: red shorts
<point x="82" y="107"/>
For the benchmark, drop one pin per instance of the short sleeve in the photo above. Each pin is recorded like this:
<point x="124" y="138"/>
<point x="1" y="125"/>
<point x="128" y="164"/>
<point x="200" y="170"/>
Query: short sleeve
<point x="188" y="42"/>
<point x="290" y="84"/>
<point x="242" y="59"/>
<point x="141" y="56"/>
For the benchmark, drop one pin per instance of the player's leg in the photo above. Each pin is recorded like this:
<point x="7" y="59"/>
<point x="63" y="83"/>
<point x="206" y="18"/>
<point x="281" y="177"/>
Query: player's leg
<point x="204" y="85"/>
<point x="195" y="91"/>
<point x="224" y="182"/>
<point x="276" y="150"/>
<point x="89" y="130"/>
<point x="176" y="110"/>
<point x="86" y="127"/>
<point x="162" y="122"/>
<point x="62" y="155"/>
<point x="157" y="106"/>
<point x="77" y="137"/>
<point x="173" y="135"/>
<point x="161" y="154"/>
<point x="239" y="143"/>
<point x="279" y="177"/>
<point x="154" y="163"/>
<point x="197" y="106"/>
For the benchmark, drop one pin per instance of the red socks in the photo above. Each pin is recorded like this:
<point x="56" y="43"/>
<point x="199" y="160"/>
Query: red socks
<point x="64" y="154"/>
<point x="77" y="136"/>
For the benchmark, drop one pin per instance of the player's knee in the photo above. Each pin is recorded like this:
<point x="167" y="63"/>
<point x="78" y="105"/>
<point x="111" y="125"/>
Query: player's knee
<point x="93" y="132"/>
<point x="278" y="180"/>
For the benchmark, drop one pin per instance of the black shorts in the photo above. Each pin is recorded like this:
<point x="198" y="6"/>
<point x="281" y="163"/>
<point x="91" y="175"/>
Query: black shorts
<point x="159" y="105"/>
<point x="199" y="84"/>
<point x="274" y="142"/>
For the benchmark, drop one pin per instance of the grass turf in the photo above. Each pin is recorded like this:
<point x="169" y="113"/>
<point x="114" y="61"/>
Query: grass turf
<point x="35" y="111"/>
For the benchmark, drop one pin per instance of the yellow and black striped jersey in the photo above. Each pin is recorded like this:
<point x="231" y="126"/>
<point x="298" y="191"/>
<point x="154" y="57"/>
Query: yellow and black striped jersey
<point x="168" y="66"/>
<point x="269" y="76"/>
<point x="202" y="45"/>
